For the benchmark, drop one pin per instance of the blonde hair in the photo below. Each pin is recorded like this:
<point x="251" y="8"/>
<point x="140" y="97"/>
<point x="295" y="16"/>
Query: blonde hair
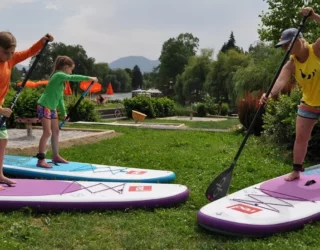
<point x="60" y="62"/>
<point x="7" y="40"/>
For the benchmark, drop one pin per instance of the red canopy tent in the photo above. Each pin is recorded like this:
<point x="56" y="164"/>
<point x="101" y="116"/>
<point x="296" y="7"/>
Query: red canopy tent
<point x="67" y="89"/>
<point x="42" y="82"/>
<point x="29" y="84"/>
<point x="96" y="87"/>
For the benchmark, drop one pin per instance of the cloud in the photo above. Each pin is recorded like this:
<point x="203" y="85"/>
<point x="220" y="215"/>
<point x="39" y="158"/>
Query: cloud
<point x="10" y="3"/>
<point x="111" y="29"/>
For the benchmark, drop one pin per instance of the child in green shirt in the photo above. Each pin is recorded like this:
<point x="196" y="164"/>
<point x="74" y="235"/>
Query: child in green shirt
<point x="48" y="103"/>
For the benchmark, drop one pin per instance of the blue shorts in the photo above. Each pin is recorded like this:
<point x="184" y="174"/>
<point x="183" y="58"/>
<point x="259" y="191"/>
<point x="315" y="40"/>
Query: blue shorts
<point x="305" y="113"/>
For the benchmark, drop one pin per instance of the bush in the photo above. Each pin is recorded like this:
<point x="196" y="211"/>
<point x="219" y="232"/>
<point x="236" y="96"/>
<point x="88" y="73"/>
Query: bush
<point x="247" y="108"/>
<point x="179" y="110"/>
<point x="224" y="109"/>
<point x="84" y="112"/>
<point x="163" y="106"/>
<point x="201" y="110"/>
<point x="211" y="107"/>
<point x="139" y="103"/>
<point x="152" y="107"/>
<point x="280" y="118"/>
<point x="280" y="124"/>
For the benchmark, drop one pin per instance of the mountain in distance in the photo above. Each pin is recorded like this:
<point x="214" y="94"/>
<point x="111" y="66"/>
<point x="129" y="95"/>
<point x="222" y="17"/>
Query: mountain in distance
<point x="146" y="65"/>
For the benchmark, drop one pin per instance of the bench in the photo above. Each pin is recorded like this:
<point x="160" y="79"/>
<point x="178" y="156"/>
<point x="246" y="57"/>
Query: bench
<point x="28" y="122"/>
<point x="191" y="112"/>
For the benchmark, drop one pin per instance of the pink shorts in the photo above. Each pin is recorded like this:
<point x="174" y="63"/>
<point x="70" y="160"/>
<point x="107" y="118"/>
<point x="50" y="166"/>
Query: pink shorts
<point x="46" y="113"/>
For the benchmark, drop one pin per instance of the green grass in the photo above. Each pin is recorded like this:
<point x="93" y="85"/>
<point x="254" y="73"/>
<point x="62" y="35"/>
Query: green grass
<point x="196" y="157"/>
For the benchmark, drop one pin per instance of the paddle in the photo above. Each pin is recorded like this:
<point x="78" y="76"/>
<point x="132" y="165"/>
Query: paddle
<point x="15" y="98"/>
<point x="220" y="185"/>
<point x="76" y="105"/>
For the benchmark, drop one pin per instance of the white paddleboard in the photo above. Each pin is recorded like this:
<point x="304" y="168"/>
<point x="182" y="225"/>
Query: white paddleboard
<point x="269" y="207"/>
<point x="53" y="195"/>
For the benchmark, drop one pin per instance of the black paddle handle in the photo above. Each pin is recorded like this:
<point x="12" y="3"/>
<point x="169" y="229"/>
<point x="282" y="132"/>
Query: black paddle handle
<point x="15" y="98"/>
<point x="76" y="105"/>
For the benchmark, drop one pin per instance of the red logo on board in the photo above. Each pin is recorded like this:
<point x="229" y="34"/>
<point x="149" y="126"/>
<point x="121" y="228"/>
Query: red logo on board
<point x="245" y="208"/>
<point x="136" y="172"/>
<point x="140" y="188"/>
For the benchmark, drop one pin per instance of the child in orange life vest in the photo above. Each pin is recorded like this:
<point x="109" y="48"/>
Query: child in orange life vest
<point x="48" y="103"/>
<point x="8" y="59"/>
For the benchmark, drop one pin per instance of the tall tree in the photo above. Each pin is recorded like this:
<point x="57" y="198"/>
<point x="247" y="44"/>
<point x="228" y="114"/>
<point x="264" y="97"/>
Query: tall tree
<point x="264" y="61"/>
<point x="190" y="84"/>
<point x="231" y="44"/>
<point x="174" y="57"/>
<point x="219" y="82"/>
<point x="123" y="81"/>
<point x="137" y="79"/>
<point x="283" y="14"/>
<point x="102" y="70"/>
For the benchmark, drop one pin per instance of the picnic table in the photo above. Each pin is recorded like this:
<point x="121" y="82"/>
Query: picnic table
<point x="28" y="122"/>
<point x="191" y="112"/>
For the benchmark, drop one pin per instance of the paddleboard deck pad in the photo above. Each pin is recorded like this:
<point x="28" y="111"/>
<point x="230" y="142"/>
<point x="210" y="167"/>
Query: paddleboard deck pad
<point x="23" y="166"/>
<point x="53" y="195"/>
<point x="266" y="208"/>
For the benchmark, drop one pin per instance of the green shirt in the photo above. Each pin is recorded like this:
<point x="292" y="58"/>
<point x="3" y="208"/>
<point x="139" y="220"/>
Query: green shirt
<point x="52" y="97"/>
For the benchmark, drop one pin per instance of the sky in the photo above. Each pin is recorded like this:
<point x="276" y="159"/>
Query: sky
<point x="111" y="29"/>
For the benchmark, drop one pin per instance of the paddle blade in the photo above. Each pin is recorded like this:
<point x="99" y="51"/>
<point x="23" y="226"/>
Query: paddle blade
<point x="220" y="185"/>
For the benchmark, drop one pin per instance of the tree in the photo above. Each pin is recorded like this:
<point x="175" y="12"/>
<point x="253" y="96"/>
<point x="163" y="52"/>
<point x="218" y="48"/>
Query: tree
<point x="190" y="84"/>
<point x="129" y="71"/>
<point x="231" y="44"/>
<point x="174" y="57"/>
<point x="102" y="70"/>
<point x="45" y="64"/>
<point x="137" y="80"/>
<point x="15" y="75"/>
<point x="259" y="73"/>
<point x="219" y="83"/>
<point x="123" y="81"/>
<point x="283" y="14"/>
<point x="83" y="63"/>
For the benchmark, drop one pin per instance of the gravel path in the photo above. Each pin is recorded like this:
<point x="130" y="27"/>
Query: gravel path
<point x="18" y="137"/>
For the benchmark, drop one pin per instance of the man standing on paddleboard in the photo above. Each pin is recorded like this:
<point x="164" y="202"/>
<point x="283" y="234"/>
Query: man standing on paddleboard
<point x="304" y="65"/>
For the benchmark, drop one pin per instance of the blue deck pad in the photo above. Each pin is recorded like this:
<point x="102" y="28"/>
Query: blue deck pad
<point x="314" y="170"/>
<point x="31" y="162"/>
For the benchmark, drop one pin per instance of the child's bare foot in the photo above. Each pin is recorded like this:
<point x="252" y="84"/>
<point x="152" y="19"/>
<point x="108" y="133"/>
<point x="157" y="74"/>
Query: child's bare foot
<point x="43" y="164"/>
<point x="7" y="181"/>
<point x="59" y="159"/>
<point x="294" y="175"/>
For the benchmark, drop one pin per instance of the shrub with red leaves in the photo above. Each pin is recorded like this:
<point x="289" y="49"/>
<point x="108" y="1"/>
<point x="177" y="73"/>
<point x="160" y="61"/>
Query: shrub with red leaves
<point x="247" y="108"/>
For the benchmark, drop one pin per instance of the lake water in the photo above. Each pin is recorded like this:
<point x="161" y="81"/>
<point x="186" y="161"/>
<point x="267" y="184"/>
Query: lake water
<point x="119" y="96"/>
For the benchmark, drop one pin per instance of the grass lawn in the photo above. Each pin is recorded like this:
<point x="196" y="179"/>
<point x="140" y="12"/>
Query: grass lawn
<point x="196" y="157"/>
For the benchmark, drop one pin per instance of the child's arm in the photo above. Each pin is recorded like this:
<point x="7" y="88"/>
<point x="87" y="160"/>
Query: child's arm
<point x="33" y="50"/>
<point x="62" y="107"/>
<point x="76" y="78"/>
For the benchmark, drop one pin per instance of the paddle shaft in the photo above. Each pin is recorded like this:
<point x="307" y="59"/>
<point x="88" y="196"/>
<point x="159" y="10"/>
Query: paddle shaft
<point x="76" y="105"/>
<point x="15" y="98"/>
<point x="215" y="189"/>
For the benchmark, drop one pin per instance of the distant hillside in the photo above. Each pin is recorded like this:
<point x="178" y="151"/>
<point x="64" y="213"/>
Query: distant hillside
<point x="144" y="64"/>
